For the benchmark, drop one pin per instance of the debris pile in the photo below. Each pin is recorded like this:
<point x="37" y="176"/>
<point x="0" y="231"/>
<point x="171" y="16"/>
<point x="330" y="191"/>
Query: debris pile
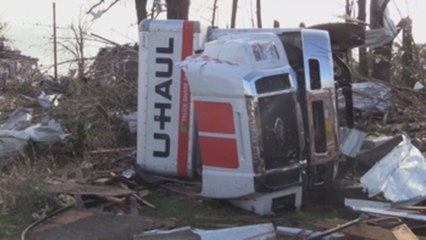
<point x="115" y="63"/>
<point x="15" y="66"/>
<point x="94" y="120"/>
<point x="385" y="108"/>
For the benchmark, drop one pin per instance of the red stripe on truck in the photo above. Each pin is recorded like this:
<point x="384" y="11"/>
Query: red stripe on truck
<point x="217" y="118"/>
<point x="214" y="117"/>
<point x="219" y="152"/>
<point x="185" y="100"/>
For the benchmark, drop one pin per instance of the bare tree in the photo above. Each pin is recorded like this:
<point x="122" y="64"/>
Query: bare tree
<point x="76" y="44"/>
<point x="141" y="12"/>
<point x="258" y="14"/>
<point x="382" y="54"/>
<point x="234" y="12"/>
<point x="410" y="63"/>
<point x="214" y="13"/>
<point x="362" y="51"/>
<point x="177" y="9"/>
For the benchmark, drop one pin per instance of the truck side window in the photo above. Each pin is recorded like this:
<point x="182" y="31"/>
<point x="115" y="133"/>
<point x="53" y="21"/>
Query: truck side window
<point x="314" y="74"/>
<point x="319" y="127"/>
<point x="273" y="83"/>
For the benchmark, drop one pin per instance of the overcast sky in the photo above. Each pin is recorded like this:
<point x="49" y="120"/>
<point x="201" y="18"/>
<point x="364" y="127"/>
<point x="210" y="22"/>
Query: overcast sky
<point x="30" y="21"/>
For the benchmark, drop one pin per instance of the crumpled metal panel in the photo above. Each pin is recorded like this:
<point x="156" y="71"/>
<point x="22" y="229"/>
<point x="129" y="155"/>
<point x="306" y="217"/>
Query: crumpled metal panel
<point x="400" y="175"/>
<point x="253" y="232"/>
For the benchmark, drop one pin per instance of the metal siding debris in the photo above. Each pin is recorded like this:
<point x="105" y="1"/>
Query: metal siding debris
<point x="400" y="175"/>
<point x="351" y="141"/>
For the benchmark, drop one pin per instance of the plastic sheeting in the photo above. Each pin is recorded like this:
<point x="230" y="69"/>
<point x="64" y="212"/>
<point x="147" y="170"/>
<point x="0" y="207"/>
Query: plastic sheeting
<point x="18" y="120"/>
<point x="132" y="120"/>
<point x="47" y="101"/>
<point x="400" y="175"/>
<point x="14" y="141"/>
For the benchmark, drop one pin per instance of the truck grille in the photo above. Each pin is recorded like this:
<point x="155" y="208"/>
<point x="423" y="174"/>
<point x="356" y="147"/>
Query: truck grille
<point x="279" y="137"/>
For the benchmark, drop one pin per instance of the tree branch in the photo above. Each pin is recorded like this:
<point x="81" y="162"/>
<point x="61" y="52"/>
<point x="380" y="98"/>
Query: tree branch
<point x="94" y="6"/>
<point x="101" y="12"/>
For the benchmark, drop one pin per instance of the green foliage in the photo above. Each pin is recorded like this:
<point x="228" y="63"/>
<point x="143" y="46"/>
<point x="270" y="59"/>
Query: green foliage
<point x="74" y="87"/>
<point x="79" y="139"/>
<point x="32" y="150"/>
<point x="26" y="203"/>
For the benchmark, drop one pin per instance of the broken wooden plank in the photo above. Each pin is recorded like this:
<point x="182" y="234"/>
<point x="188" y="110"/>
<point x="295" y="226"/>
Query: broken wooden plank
<point x="403" y="232"/>
<point x="135" y="195"/>
<point x="85" y="189"/>
<point x="368" y="232"/>
<point x="338" y="228"/>
<point x="103" y="151"/>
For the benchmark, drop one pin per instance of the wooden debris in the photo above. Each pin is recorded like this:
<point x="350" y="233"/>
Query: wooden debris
<point x="77" y="224"/>
<point x="117" y="150"/>
<point x="144" y="193"/>
<point x="135" y="195"/>
<point x="403" y="232"/>
<point x="338" y="228"/>
<point x="181" y="188"/>
<point x="70" y="216"/>
<point x="134" y="210"/>
<point x="85" y="189"/>
<point x="365" y="231"/>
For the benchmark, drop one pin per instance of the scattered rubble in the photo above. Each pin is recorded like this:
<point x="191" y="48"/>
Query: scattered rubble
<point x="15" y="66"/>
<point x="372" y="97"/>
<point x="102" y="121"/>
<point x="254" y="232"/>
<point x="373" y="229"/>
<point x="115" y="63"/>
<point x="351" y="141"/>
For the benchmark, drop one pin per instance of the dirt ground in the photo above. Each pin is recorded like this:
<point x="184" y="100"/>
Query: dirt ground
<point x="172" y="210"/>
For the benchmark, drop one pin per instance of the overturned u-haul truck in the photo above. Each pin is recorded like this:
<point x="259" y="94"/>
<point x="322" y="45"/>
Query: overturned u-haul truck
<point x="249" y="113"/>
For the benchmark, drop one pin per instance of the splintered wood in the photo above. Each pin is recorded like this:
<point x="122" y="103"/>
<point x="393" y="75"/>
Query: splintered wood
<point x="372" y="232"/>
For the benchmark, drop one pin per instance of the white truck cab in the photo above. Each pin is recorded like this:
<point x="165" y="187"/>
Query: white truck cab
<point x="249" y="112"/>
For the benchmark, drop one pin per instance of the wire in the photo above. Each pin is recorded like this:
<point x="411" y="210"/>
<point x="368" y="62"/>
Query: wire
<point x="32" y="225"/>
<point x="397" y="8"/>
<point x="58" y="211"/>
<point x="407" y="5"/>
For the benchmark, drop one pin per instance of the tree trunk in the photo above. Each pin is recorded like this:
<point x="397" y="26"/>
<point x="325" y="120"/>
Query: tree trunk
<point x="214" y="13"/>
<point x="177" y="9"/>
<point x="141" y="10"/>
<point x="81" y="61"/>
<point x="348" y="8"/>
<point x="383" y="54"/>
<point x="258" y="14"/>
<point x="363" y="65"/>
<point x="408" y="66"/>
<point x="234" y="12"/>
